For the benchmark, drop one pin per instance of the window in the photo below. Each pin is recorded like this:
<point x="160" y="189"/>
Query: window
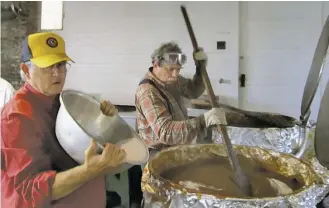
<point x="52" y="15"/>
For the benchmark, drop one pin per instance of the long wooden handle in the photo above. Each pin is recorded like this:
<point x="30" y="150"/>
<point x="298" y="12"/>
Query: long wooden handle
<point x="240" y="178"/>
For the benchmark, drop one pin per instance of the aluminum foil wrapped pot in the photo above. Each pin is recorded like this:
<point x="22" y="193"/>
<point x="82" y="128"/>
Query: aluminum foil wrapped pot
<point x="79" y="119"/>
<point x="292" y="138"/>
<point x="162" y="191"/>
<point x="243" y="130"/>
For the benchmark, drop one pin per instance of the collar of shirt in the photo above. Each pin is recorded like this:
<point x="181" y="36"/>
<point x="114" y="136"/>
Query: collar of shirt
<point x="151" y="76"/>
<point x="41" y="99"/>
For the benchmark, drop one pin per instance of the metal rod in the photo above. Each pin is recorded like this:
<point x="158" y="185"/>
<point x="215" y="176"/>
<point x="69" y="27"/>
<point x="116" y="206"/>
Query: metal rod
<point x="240" y="178"/>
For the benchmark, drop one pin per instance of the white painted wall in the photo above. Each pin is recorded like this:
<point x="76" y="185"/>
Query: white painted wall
<point x="111" y="43"/>
<point x="278" y="40"/>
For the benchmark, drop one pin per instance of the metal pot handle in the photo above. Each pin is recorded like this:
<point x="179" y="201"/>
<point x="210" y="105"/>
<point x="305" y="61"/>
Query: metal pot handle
<point x="303" y="138"/>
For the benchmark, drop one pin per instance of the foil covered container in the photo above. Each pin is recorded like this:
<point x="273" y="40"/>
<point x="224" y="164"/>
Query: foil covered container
<point x="286" y="140"/>
<point x="161" y="192"/>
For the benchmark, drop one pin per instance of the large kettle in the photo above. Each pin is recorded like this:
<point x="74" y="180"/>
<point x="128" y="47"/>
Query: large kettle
<point x="79" y="119"/>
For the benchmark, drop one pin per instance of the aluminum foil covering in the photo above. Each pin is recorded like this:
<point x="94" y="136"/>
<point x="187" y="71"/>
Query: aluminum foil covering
<point x="323" y="173"/>
<point x="160" y="192"/>
<point x="286" y="140"/>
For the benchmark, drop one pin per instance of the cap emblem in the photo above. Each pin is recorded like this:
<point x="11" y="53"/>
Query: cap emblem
<point x="52" y="42"/>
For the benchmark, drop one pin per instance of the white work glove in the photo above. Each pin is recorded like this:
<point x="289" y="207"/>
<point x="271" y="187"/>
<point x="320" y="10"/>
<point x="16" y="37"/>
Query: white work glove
<point x="200" y="56"/>
<point x="215" y="116"/>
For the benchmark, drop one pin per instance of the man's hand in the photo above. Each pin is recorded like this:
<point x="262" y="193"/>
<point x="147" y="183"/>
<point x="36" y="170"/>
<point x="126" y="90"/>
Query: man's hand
<point x="200" y="56"/>
<point x="107" y="108"/>
<point x="102" y="164"/>
<point x="215" y="116"/>
<point x="95" y="165"/>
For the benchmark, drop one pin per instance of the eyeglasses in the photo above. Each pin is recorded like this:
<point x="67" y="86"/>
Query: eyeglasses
<point x="61" y="67"/>
<point x="175" y="58"/>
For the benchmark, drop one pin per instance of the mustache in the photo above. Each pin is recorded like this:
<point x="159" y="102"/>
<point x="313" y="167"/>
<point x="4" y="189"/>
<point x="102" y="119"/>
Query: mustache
<point x="170" y="84"/>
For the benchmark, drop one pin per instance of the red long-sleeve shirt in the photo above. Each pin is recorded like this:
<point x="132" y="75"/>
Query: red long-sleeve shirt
<point x="31" y="156"/>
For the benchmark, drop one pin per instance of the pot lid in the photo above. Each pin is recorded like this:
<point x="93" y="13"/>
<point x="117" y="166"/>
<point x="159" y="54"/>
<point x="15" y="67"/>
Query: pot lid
<point x="321" y="138"/>
<point x="315" y="73"/>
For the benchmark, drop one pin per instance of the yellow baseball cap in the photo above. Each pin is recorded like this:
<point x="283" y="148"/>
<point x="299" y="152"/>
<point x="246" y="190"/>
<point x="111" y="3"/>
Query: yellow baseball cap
<point x="44" y="49"/>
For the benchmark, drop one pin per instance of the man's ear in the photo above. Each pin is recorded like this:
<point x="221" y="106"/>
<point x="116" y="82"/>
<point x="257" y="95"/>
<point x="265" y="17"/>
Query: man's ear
<point x="25" y="69"/>
<point x="157" y="64"/>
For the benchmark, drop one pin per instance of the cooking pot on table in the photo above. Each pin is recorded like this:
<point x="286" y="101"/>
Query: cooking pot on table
<point x="79" y="119"/>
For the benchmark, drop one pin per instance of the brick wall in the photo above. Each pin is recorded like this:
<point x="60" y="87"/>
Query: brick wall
<point x="12" y="33"/>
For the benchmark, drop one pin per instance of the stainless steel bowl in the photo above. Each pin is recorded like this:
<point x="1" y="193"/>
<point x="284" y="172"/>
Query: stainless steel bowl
<point x="79" y="119"/>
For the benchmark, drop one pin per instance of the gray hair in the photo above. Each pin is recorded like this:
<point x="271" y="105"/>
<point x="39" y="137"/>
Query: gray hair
<point x="29" y="64"/>
<point x="169" y="47"/>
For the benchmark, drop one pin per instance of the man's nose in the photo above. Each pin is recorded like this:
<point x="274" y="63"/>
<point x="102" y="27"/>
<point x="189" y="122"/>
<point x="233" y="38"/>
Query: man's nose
<point x="55" y="72"/>
<point x="175" y="73"/>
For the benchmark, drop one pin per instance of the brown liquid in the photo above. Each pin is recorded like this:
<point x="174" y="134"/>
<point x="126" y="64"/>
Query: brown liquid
<point x="259" y="120"/>
<point x="217" y="172"/>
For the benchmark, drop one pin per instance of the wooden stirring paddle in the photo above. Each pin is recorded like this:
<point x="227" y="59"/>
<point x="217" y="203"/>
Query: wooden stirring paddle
<point x="240" y="177"/>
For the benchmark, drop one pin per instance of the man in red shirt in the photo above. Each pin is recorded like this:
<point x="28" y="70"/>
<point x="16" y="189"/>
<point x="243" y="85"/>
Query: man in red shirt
<point x="35" y="171"/>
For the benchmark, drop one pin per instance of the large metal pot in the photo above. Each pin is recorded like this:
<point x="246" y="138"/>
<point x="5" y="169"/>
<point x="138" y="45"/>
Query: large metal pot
<point x="160" y="191"/>
<point x="293" y="136"/>
<point x="292" y="140"/>
<point x="79" y="119"/>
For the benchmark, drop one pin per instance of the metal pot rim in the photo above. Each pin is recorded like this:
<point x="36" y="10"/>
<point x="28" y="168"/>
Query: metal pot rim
<point x="191" y="191"/>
